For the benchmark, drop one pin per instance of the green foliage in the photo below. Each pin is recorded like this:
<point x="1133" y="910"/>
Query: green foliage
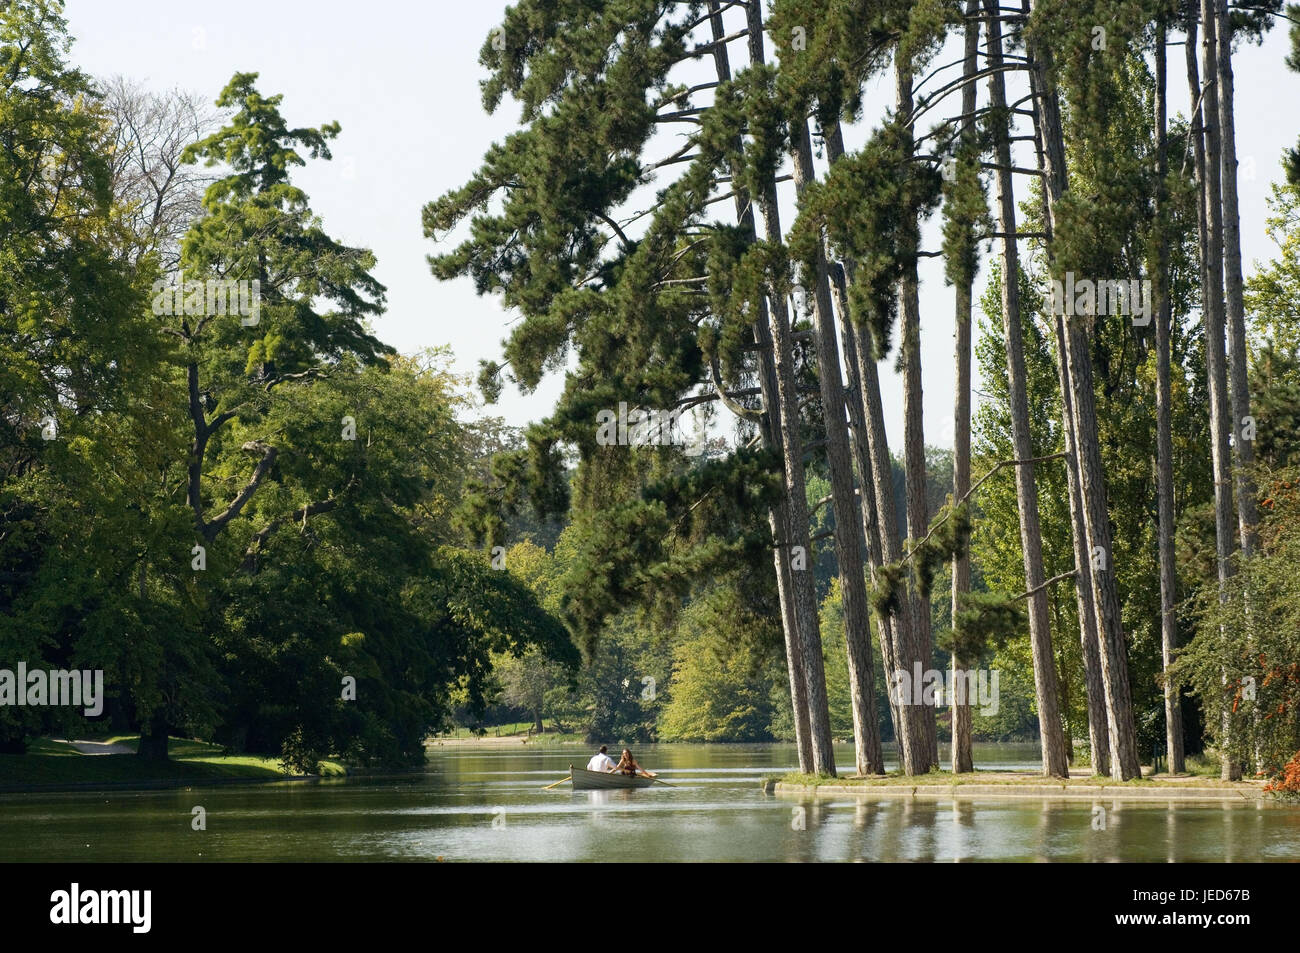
<point x="724" y="677"/>
<point x="326" y="557"/>
<point x="1242" y="663"/>
<point x="1291" y="158"/>
<point x="985" y="620"/>
<point x="864" y="205"/>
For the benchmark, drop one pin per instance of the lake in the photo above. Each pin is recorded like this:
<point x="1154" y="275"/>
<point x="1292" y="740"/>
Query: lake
<point x="487" y="804"/>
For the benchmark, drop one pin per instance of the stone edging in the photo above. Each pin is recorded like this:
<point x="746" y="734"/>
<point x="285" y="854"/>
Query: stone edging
<point x="1078" y="792"/>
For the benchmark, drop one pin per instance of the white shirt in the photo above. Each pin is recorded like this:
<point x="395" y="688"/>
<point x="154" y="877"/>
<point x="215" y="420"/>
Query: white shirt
<point x="601" y="762"/>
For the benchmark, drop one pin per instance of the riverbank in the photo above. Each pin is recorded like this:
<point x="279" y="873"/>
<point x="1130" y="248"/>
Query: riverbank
<point x="70" y="765"/>
<point x="501" y="741"/>
<point x="1015" y="784"/>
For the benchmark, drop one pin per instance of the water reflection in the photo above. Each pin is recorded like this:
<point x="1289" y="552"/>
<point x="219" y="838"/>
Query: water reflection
<point x="489" y="804"/>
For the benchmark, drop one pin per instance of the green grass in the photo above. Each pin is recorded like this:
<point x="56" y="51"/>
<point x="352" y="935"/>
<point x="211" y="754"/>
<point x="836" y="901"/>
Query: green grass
<point x="518" y="729"/>
<point x="52" y="762"/>
<point x="1202" y="765"/>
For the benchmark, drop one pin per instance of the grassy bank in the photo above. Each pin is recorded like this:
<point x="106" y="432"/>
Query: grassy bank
<point x="54" y="763"/>
<point x="939" y="784"/>
<point x="517" y="733"/>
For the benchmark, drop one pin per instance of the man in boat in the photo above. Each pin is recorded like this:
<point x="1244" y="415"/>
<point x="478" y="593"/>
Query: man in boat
<point x="601" y="761"/>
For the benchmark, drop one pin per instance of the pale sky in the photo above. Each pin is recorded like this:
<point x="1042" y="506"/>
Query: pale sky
<point x="402" y="80"/>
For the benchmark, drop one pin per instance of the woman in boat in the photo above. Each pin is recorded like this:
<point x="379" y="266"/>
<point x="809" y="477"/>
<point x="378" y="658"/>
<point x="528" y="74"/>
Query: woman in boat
<point x="627" y="765"/>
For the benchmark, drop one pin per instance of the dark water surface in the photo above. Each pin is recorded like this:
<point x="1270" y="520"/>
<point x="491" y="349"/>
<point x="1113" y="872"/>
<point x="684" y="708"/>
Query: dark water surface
<point x="487" y="804"/>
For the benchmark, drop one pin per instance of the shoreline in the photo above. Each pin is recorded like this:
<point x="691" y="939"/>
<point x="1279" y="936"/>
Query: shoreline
<point x="1168" y="790"/>
<point x="492" y="741"/>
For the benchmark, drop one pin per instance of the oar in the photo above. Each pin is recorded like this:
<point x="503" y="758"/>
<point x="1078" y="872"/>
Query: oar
<point x="658" y="781"/>
<point x="557" y="783"/>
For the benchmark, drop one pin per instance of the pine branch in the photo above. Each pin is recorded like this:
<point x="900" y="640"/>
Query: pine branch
<point x="1039" y="588"/>
<point x="967" y="495"/>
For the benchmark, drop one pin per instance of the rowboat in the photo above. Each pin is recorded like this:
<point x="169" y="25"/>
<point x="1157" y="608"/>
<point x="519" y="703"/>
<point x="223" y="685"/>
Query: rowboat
<point x="584" y="780"/>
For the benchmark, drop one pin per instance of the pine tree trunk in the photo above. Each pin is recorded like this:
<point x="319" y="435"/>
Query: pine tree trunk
<point x="1046" y="690"/>
<point x="918" y="515"/>
<point x="1243" y="446"/>
<point x="1164" y="436"/>
<point x="1114" y="653"/>
<point x="910" y="718"/>
<point x="1089" y="634"/>
<point x="848" y="550"/>
<point x="912" y="752"/>
<point x="862" y="462"/>
<point x="1092" y="487"/>
<point x="798" y="545"/>
<point x="1243" y="449"/>
<point x="777" y="519"/>
<point x="962" y="758"/>
<point x="1063" y="681"/>
<point x="1215" y="356"/>
<point x="793" y="643"/>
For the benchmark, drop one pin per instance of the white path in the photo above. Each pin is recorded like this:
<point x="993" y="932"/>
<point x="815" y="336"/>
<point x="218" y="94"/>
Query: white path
<point x="98" y="747"/>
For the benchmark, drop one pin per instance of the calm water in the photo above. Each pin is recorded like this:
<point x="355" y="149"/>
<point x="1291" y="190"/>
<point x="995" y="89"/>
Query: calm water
<point x="487" y="804"/>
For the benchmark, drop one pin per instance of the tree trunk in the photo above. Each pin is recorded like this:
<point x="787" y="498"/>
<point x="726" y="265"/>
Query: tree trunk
<point x="1114" y="653"/>
<point x="1215" y="358"/>
<point x="1063" y="680"/>
<point x="1046" y="690"/>
<point x="779" y="523"/>
<point x="910" y="717"/>
<point x="848" y="551"/>
<point x="776" y="518"/>
<point x="962" y="759"/>
<point x="153" y="740"/>
<point x="918" y="516"/>
<point x="1164" y="436"/>
<point x="1092" y="487"/>
<point x="1238" y="373"/>
<point x="797" y="541"/>
<point x="1089" y="632"/>
<point x="1243" y="449"/>
<point x="862" y="461"/>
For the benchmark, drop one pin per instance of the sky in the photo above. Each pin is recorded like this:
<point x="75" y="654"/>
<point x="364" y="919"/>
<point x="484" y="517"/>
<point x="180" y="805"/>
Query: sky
<point x="402" y="79"/>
